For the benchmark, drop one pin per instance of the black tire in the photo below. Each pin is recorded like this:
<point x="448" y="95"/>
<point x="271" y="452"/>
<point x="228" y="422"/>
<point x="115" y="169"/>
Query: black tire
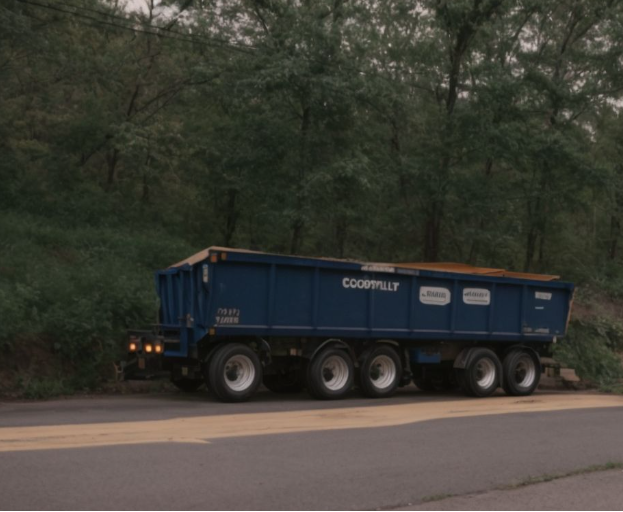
<point x="234" y="373"/>
<point x="381" y="372"/>
<point x="284" y="383"/>
<point x="521" y="372"/>
<point x="483" y="374"/>
<point x="323" y="380"/>
<point x="187" y="385"/>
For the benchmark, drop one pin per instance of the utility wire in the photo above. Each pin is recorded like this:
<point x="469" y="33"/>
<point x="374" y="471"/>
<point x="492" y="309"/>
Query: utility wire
<point x="167" y="29"/>
<point x="186" y="37"/>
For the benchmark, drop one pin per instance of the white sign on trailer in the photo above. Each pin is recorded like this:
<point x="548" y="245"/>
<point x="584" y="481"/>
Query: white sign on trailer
<point x="477" y="296"/>
<point x="434" y="295"/>
<point x="543" y="295"/>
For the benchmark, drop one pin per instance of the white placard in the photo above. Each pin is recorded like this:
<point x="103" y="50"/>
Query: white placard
<point x="434" y="295"/>
<point x="378" y="268"/>
<point x="477" y="296"/>
<point x="543" y="295"/>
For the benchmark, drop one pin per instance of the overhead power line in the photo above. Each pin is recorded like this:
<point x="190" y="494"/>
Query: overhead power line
<point x="166" y="28"/>
<point x="160" y="32"/>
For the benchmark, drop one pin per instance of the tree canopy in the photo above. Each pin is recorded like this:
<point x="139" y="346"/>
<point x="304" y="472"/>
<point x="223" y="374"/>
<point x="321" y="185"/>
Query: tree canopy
<point x="482" y="131"/>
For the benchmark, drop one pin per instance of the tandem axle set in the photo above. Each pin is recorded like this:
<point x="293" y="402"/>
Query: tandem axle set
<point x="234" y="319"/>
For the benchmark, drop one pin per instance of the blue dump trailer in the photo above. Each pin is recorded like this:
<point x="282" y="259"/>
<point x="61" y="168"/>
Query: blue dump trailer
<point x="232" y="319"/>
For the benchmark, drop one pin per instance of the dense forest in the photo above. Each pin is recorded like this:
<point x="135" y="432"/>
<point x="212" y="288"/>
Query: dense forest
<point x="481" y="131"/>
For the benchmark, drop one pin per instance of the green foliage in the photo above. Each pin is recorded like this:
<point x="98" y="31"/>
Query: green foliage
<point x="43" y="388"/>
<point x="485" y="132"/>
<point x="615" y="388"/>
<point x="79" y="290"/>
<point x="591" y="349"/>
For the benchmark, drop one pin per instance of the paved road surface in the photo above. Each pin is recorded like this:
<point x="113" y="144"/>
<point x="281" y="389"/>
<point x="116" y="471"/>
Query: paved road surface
<point x="594" y="491"/>
<point x="171" y="451"/>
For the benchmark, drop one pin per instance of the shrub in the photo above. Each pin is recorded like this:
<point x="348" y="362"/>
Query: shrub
<point x="590" y="348"/>
<point x="42" y="388"/>
<point x="73" y="291"/>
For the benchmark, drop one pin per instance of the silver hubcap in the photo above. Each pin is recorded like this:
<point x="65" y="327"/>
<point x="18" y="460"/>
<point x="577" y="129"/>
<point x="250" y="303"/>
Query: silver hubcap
<point x="525" y="371"/>
<point x="239" y="373"/>
<point x="382" y="372"/>
<point x="335" y="373"/>
<point x="485" y="373"/>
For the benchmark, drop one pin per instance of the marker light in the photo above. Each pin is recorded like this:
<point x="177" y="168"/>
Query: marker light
<point x="158" y="348"/>
<point x="148" y="348"/>
<point x="132" y="347"/>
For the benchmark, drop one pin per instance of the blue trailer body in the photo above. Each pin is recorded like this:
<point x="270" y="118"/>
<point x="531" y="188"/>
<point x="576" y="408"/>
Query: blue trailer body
<point x="226" y="292"/>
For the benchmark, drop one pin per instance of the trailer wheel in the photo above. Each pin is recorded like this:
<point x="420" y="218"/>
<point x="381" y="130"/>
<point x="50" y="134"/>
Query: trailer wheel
<point x="235" y="373"/>
<point x="380" y="373"/>
<point x="187" y="385"/>
<point x="330" y="375"/>
<point x="482" y="375"/>
<point x="522" y="372"/>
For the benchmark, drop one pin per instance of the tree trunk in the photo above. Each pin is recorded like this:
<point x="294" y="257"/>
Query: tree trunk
<point x="340" y="237"/>
<point x="432" y="231"/>
<point x="530" y="249"/>
<point x="615" y="231"/>
<point x="145" y="196"/>
<point x="231" y="221"/>
<point x="298" y="224"/>
<point x="297" y="235"/>
<point x="112" y="158"/>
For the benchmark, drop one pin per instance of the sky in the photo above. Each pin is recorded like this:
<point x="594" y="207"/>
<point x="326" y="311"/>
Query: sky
<point x="135" y="5"/>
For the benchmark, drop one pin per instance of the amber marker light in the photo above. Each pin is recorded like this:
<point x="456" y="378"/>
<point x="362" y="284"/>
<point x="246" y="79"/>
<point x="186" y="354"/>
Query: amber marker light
<point x="132" y="347"/>
<point x="148" y="348"/>
<point x="158" y="348"/>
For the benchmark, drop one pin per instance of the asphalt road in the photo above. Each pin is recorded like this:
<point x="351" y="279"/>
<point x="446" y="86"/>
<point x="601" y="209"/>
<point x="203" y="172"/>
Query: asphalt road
<point x="594" y="491"/>
<point x="171" y="451"/>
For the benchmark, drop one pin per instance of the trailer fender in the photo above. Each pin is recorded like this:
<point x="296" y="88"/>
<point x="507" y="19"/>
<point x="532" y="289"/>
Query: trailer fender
<point x="263" y="350"/>
<point x="532" y="351"/>
<point x="389" y="342"/>
<point x="311" y="351"/>
<point x="368" y="347"/>
<point x="211" y="349"/>
<point x="464" y="357"/>
<point x="403" y="354"/>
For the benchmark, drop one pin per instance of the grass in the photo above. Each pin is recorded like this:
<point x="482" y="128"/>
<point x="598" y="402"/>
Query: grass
<point x="533" y="480"/>
<point x="550" y="477"/>
<point x="44" y="388"/>
<point x="592" y="347"/>
<point x="437" y="497"/>
<point x="615" y="389"/>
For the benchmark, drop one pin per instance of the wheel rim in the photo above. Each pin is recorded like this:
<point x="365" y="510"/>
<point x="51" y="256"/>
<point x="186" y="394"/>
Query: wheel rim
<point x="335" y="373"/>
<point x="525" y="371"/>
<point x="239" y="372"/>
<point x="485" y="373"/>
<point x="382" y="372"/>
